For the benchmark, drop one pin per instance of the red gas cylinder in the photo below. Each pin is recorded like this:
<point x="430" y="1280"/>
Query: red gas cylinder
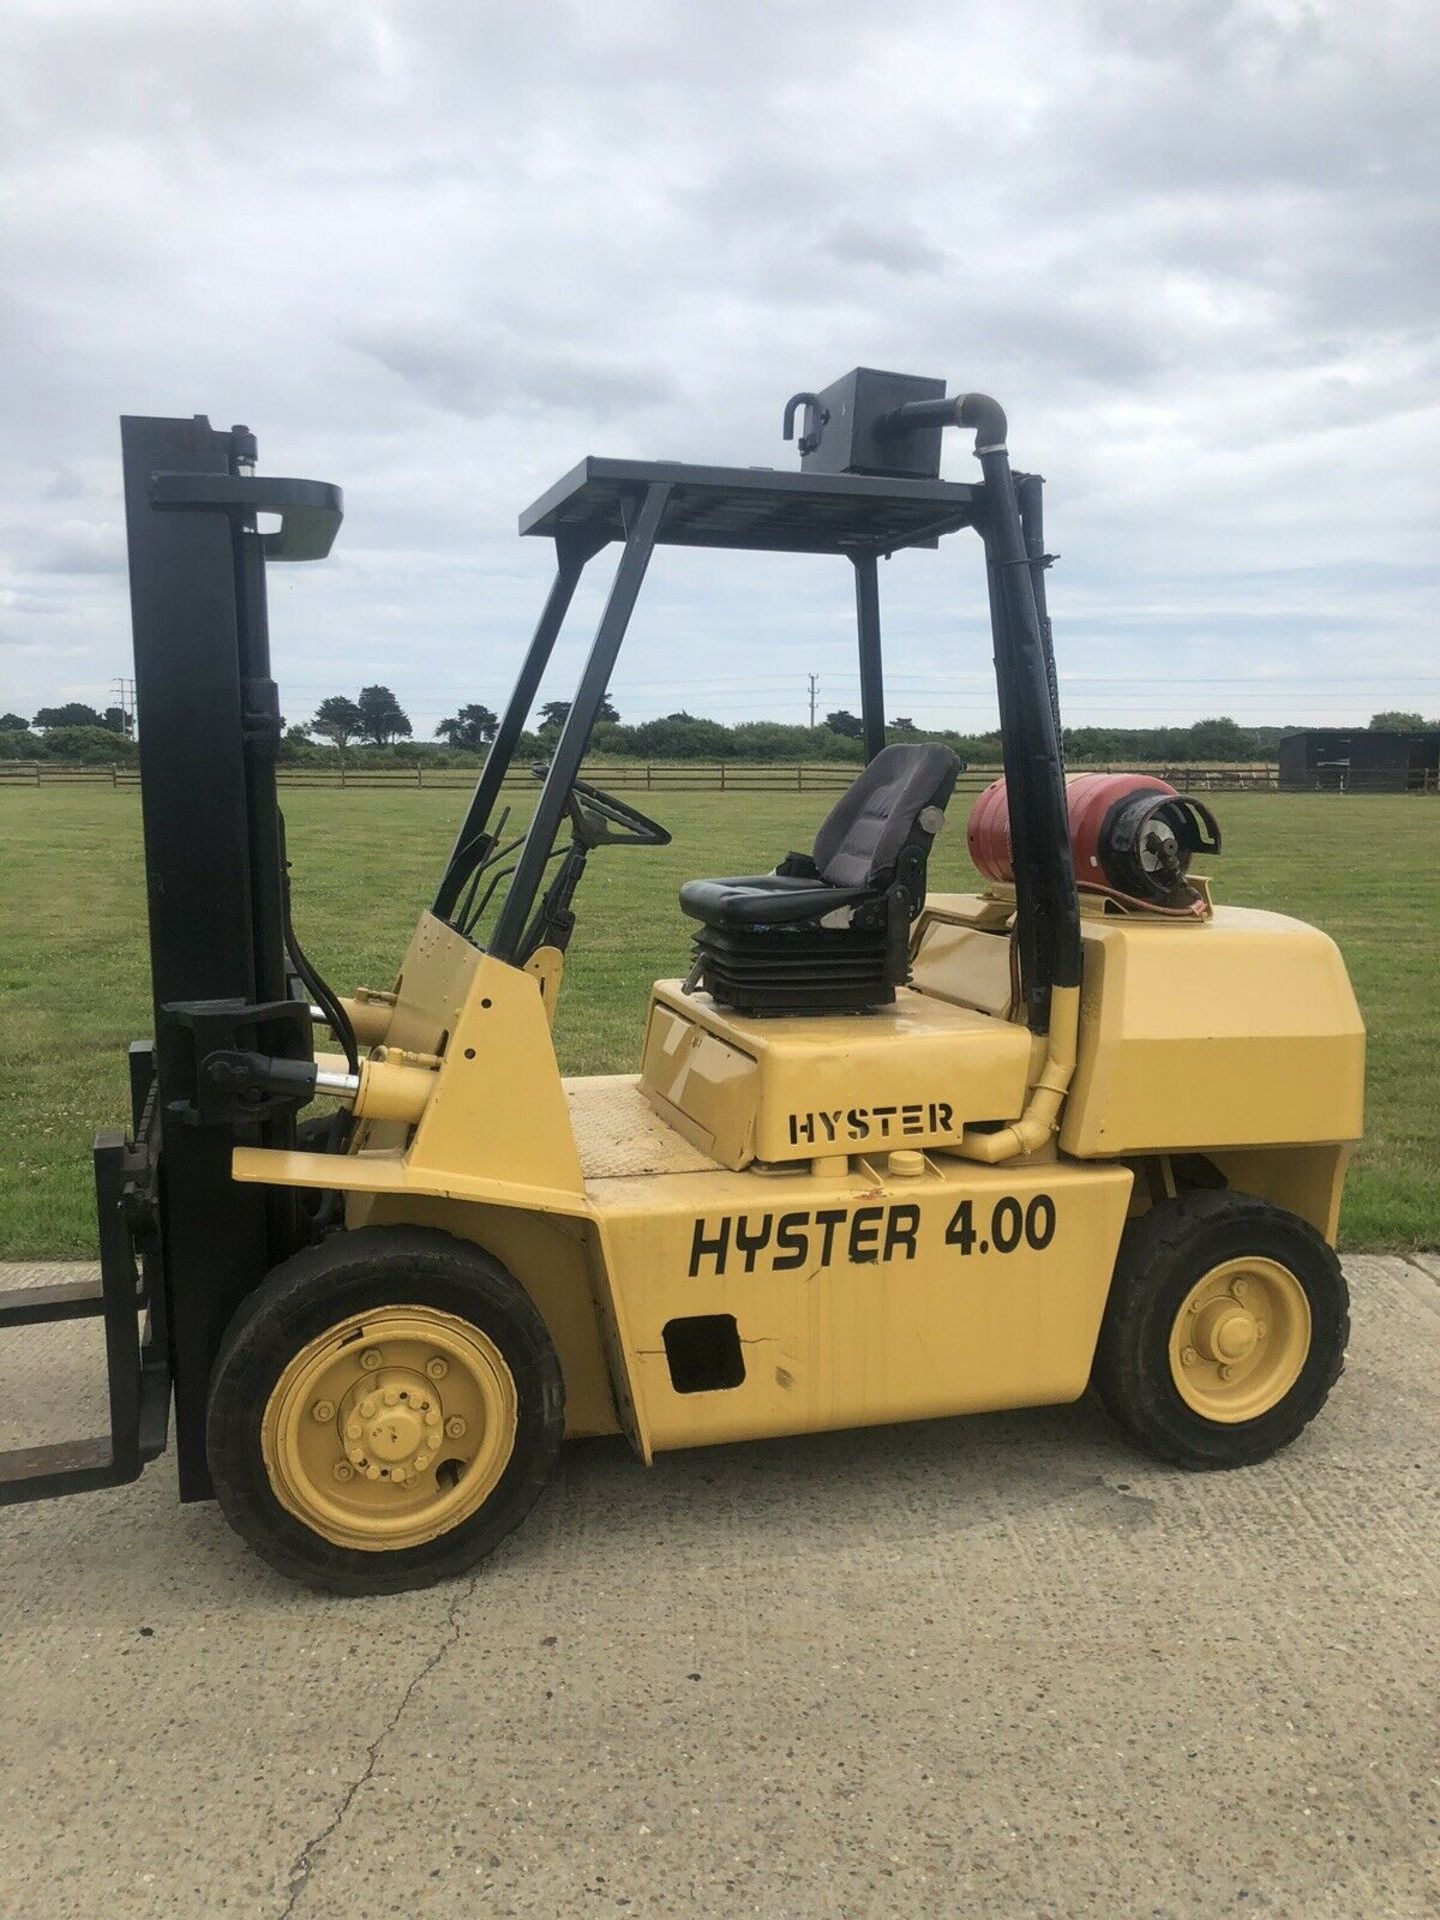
<point x="1130" y="833"/>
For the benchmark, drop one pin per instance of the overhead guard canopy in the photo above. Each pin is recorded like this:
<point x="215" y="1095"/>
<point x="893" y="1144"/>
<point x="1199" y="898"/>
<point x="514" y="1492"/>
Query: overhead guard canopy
<point x="754" y="509"/>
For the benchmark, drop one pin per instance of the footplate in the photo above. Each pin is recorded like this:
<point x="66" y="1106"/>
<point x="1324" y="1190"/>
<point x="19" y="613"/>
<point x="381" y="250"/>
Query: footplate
<point x="136" y="1365"/>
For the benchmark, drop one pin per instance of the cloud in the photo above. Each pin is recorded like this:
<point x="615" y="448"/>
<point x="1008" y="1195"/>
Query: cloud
<point x="477" y="374"/>
<point x="438" y="254"/>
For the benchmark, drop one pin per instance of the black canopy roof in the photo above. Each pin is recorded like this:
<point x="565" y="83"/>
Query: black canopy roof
<point x="756" y="508"/>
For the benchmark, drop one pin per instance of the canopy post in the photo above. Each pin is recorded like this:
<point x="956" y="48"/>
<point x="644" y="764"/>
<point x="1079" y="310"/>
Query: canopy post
<point x="872" y="676"/>
<point x="473" y="840"/>
<point x="575" y="734"/>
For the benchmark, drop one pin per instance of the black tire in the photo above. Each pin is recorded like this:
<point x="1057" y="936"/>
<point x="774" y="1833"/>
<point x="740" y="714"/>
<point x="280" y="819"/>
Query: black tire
<point x="358" y="1272"/>
<point x="1163" y="1256"/>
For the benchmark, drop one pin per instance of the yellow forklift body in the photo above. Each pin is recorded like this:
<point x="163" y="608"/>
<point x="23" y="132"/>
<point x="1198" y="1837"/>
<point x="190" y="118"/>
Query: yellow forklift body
<point x="1177" y="1016"/>
<point x="911" y="1075"/>
<point x="875" y="1296"/>
<point x="787" y="1181"/>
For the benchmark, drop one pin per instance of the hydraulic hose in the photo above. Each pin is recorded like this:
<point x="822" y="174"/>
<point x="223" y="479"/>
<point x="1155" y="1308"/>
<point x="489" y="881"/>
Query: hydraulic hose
<point x="336" y="1018"/>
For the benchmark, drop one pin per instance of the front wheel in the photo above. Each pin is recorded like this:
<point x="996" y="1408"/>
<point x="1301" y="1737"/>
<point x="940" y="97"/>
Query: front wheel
<point x="385" y="1408"/>
<point x="1224" y="1331"/>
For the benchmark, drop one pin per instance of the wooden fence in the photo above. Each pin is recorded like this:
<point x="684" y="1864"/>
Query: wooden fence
<point x="710" y="776"/>
<point x="622" y="776"/>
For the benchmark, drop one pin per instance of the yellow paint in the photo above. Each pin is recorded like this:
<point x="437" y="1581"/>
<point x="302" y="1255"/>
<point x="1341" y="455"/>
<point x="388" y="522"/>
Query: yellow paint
<point x="556" y="1259"/>
<point x="839" y="1139"/>
<point x="1307" y="1180"/>
<point x="392" y="1427"/>
<point x="1037" y="1126"/>
<point x="968" y="965"/>
<point x="392" y="1091"/>
<point x="370" y="1013"/>
<point x="1240" y="1340"/>
<point x="861" y="1338"/>
<point x="909" y="1075"/>
<point x="547" y="966"/>
<point x="1240" y="1031"/>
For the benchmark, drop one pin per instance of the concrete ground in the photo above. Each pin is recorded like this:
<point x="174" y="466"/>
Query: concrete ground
<point x="997" y="1666"/>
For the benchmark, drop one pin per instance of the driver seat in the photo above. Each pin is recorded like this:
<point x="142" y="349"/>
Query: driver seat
<point x="829" y="931"/>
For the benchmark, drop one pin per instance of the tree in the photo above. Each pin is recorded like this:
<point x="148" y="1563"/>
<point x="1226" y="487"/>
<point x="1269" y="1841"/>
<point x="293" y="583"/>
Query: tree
<point x="73" y="714"/>
<point x="555" y="713"/>
<point x="90" y="746"/>
<point x="472" y="728"/>
<point x="338" y="719"/>
<point x="1219" y="739"/>
<point x="13" y="723"/>
<point x="115" y="720"/>
<point x="849" y="724"/>
<point x="1396" y="723"/>
<point x="903" y="725"/>
<point x="382" y="718"/>
<point x="681" y="736"/>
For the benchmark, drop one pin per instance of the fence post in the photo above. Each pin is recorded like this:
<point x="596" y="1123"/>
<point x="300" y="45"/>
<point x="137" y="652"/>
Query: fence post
<point x="114" y="775"/>
<point x="722" y="776"/>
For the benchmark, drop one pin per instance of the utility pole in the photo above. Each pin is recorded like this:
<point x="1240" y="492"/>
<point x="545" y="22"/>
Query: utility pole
<point x="814" y="681"/>
<point x="124" y="691"/>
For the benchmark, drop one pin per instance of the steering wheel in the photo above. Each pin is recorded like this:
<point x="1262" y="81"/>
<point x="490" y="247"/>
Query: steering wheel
<point x="594" y="814"/>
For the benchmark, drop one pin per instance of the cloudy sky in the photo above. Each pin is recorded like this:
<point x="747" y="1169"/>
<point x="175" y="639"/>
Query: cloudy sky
<point x="437" y="251"/>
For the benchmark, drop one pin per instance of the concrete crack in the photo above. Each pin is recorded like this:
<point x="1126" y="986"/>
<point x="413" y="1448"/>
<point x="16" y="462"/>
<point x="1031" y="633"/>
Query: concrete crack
<point x="305" y="1861"/>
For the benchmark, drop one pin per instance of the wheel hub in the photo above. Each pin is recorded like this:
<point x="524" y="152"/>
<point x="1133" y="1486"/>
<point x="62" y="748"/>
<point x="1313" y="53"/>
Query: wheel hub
<point x="392" y="1420"/>
<point x="390" y="1428"/>
<point x="1240" y="1340"/>
<point x="1225" y="1331"/>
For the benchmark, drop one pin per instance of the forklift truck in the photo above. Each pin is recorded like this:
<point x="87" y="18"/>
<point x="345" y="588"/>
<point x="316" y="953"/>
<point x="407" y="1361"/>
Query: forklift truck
<point x="889" y="1154"/>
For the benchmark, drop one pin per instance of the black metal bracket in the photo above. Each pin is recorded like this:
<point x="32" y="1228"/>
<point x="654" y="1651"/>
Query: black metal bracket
<point x="817" y="418"/>
<point x="280" y="1030"/>
<point x="310" y="510"/>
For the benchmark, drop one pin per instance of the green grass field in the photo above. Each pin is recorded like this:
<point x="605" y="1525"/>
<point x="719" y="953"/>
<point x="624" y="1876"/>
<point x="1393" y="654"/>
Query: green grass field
<point x="74" y="988"/>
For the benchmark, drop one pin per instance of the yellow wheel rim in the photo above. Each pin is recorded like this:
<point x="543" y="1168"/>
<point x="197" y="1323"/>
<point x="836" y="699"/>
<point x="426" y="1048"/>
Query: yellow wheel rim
<point x="391" y="1428"/>
<point x="1240" y="1340"/>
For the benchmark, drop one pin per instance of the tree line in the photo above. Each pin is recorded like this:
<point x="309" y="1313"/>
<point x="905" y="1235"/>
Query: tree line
<point x="375" y="727"/>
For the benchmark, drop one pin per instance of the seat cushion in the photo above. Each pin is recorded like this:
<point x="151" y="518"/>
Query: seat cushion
<point x="859" y="844"/>
<point x="764" y="899"/>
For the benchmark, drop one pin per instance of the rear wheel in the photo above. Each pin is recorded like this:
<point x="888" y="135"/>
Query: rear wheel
<point x="1224" y="1332"/>
<point x="384" y="1410"/>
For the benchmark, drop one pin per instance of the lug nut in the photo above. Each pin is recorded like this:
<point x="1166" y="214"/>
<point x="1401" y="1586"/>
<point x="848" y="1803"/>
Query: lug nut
<point x="357" y="1454"/>
<point x="370" y="1359"/>
<point x="391" y="1397"/>
<point x="1260" y="1329"/>
<point x="323" y="1410"/>
<point x="1227" y="1373"/>
<point x="437" y="1368"/>
<point x="343" y="1470"/>
<point x="1190" y="1357"/>
<point x="422" y="1460"/>
<point x="455" y="1427"/>
<point x="368" y="1405"/>
<point x="352" y="1427"/>
<point x="1240" y="1289"/>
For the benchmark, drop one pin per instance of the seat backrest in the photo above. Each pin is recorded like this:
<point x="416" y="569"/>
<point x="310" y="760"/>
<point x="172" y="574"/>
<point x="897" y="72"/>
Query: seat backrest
<point x="860" y="843"/>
